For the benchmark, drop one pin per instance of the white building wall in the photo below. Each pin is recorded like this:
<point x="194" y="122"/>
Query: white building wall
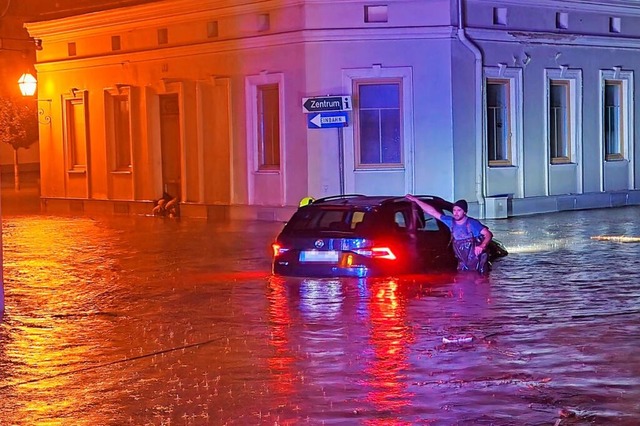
<point x="317" y="48"/>
<point x="531" y="41"/>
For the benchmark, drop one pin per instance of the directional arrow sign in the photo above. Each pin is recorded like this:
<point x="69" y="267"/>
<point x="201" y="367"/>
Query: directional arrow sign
<point x="324" y="120"/>
<point x="327" y="103"/>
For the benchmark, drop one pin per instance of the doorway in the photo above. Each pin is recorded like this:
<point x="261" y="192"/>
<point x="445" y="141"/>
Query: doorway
<point x="170" y="144"/>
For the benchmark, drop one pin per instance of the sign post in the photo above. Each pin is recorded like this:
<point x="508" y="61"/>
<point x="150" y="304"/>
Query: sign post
<point x="1" y="269"/>
<point x="329" y="112"/>
<point x="341" y="160"/>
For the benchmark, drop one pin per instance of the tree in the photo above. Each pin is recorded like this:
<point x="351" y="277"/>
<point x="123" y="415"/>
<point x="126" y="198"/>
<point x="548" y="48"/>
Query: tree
<point x="18" y="128"/>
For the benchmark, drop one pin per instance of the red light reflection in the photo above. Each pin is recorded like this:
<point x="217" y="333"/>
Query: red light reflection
<point x="390" y="340"/>
<point x="280" y="364"/>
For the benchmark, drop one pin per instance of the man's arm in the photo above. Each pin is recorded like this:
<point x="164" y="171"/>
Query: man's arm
<point x="428" y="209"/>
<point x="487" y="236"/>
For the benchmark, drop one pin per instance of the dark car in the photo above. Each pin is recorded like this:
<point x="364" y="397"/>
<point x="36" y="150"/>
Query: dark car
<point x="362" y="236"/>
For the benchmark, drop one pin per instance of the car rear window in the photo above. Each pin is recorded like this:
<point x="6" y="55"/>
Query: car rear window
<point x="327" y="219"/>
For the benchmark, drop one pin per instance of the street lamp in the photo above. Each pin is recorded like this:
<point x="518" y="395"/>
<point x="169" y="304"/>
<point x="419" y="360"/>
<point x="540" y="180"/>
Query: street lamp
<point x="28" y="85"/>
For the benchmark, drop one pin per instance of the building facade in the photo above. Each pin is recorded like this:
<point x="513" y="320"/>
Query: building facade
<point x="518" y="108"/>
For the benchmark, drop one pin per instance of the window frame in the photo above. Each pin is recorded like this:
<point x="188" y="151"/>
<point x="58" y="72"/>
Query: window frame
<point x="508" y="146"/>
<point x="563" y="146"/>
<point x="71" y="131"/>
<point x="624" y="79"/>
<point x="513" y="77"/>
<point x="253" y="144"/>
<point x="572" y="80"/>
<point x="618" y="152"/>
<point x="352" y="174"/>
<point x="268" y="150"/>
<point x="357" y="83"/>
<point x="111" y="96"/>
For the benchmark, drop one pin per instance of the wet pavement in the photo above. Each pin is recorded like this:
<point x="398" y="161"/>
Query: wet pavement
<point x="152" y="321"/>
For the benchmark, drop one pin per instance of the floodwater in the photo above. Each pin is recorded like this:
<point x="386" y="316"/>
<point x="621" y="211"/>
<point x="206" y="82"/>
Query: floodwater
<point x="150" y="321"/>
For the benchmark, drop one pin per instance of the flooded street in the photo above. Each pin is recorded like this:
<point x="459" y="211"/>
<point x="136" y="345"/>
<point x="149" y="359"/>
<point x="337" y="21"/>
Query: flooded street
<point x="150" y="321"/>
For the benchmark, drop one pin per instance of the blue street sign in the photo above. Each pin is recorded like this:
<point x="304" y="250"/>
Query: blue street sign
<point x="324" y="120"/>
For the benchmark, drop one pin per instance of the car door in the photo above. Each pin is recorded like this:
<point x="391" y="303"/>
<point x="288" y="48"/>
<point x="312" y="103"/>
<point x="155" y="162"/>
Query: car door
<point x="403" y="221"/>
<point x="433" y="240"/>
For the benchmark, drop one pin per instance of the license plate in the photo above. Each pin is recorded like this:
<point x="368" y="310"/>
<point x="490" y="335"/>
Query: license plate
<point x="330" y="256"/>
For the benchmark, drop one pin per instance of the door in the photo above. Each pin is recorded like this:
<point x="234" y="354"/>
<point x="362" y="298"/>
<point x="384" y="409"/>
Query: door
<point x="403" y="231"/>
<point x="170" y="145"/>
<point x="434" y="241"/>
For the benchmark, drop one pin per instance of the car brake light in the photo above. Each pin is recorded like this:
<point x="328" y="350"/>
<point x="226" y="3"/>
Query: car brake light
<point x="377" y="252"/>
<point x="278" y="249"/>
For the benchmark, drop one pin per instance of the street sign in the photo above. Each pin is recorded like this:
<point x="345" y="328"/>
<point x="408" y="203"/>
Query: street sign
<point x="324" y="120"/>
<point x="326" y="103"/>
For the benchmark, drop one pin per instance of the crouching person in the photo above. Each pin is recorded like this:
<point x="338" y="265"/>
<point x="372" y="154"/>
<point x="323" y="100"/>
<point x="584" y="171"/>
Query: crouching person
<point x="166" y="206"/>
<point x="469" y="236"/>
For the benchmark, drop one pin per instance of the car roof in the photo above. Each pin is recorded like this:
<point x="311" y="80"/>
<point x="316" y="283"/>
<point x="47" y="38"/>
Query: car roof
<point x="368" y="201"/>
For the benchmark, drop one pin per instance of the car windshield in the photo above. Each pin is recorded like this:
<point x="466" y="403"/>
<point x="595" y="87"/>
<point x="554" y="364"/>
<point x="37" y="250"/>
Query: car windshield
<point x="328" y="219"/>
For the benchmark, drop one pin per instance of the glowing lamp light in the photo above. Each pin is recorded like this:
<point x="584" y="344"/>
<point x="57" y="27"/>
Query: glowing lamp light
<point x="28" y="84"/>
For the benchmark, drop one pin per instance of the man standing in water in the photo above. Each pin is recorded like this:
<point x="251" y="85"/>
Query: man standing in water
<point x="469" y="236"/>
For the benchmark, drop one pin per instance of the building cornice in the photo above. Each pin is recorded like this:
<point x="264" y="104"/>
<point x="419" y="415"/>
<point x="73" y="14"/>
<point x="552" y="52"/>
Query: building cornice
<point x="148" y="15"/>
<point x="626" y="7"/>
<point x="225" y="46"/>
<point x="547" y="38"/>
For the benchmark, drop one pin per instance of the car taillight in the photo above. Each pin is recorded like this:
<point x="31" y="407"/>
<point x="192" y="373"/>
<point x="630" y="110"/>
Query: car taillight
<point x="278" y="249"/>
<point x="377" y="252"/>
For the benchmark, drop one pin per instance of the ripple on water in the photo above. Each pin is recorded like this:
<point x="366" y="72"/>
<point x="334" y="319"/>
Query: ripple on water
<point x="145" y="321"/>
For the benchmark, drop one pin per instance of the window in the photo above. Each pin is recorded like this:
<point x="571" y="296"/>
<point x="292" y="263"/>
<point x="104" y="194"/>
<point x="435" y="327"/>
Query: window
<point x="118" y="122"/>
<point x="381" y="140"/>
<point x="379" y="128"/>
<point x="322" y="219"/>
<point x="498" y="123"/>
<point x="559" y="122"/>
<point x="503" y="115"/>
<point x="77" y="140"/>
<point x="426" y="222"/>
<point x="400" y="219"/>
<point x="122" y="132"/>
<point x="564" y="111"/>
<point x="266" y="143"/>
<point x="613" y="120"/>
<point x="76" y="136"/>
<point x="268" y="132"/>
<point x="617" y="104"/>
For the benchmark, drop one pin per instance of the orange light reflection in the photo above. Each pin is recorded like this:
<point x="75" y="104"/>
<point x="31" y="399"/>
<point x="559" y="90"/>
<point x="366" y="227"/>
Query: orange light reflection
<point x="54" y="263"/>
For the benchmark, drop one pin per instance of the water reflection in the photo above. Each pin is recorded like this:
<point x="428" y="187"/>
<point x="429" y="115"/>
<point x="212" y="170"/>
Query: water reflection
<point x="321" y="299"/>
<point x="390" y="339"/>
<point x="365" y="330"/>
<point x="281" y="364"/>
<point x="43" y="334"/>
